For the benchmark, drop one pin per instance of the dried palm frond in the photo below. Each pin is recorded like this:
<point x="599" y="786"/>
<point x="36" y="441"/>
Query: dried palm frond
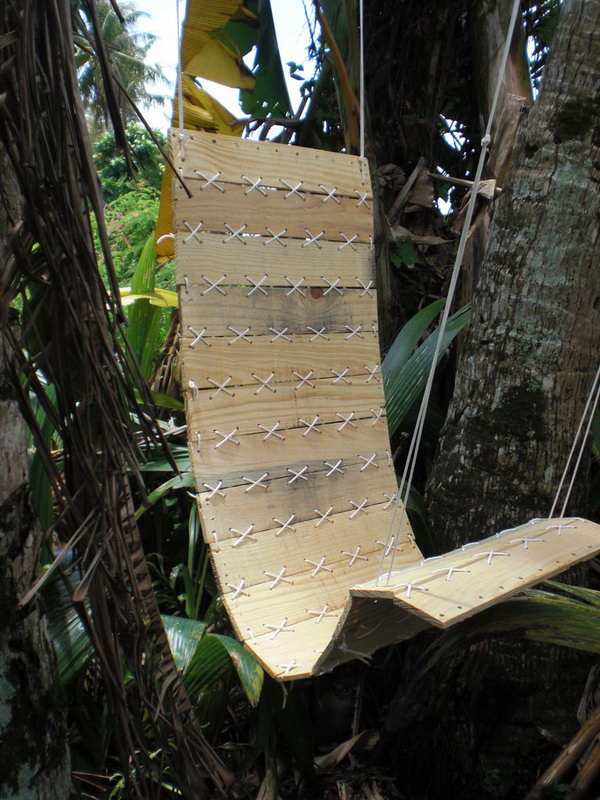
<point x="71" y="336"/>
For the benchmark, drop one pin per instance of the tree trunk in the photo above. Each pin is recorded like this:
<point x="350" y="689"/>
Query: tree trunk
<point x="532" y="346"/>
<point x="499" y="707"/>
<point x="489" y="23"/>
<point x="34" y="757"/>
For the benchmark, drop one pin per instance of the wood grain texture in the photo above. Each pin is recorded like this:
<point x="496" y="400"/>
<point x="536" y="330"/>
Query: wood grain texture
<point x="209" y="255"/>
<point x="491" y="570"/>
<point x="362" y="627"/>
<point x="301" y="217"/>
<point x="217" y="359"/>
<point x="280" y="500"/>
<point x="288" y="405"/>
<point x="233" y="158"/>
<point x="278" y="310"/>
<point x="298" y="451"/>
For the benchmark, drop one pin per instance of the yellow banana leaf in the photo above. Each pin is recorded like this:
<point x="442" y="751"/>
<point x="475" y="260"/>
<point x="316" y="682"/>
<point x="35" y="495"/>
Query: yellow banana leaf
<point x="207" y="57"/>
<point x="204" y="56"/>
<point x="212" y="14"/>
<point x="159" y="297"/>
<point x="201" y="112"/>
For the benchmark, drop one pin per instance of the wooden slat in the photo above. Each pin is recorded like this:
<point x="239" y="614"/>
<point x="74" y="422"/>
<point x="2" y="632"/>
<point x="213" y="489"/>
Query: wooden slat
<point x="256" y="559"/>
<point x="296" y="215"/>
<point x="233" y="476"/>
<point x="364" y="629"/>
<point x="214" y="258"/>
<point x="343" y="514"/>
<point x="253" y="453"/>
<point x="443" y="602"/>
<point x="246" y="409"/>
<point x="221" y="360"/>
<point x="277" y="655"/>
<point x="294" y="602"/>
<point x="316" y="470"/>
<point x="233" y="157"/>
<point x="280" y="500"/>
<point x="278" y="311"/>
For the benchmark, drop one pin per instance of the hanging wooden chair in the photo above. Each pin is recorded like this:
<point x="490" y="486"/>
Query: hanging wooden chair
<point x="286" y="417"/>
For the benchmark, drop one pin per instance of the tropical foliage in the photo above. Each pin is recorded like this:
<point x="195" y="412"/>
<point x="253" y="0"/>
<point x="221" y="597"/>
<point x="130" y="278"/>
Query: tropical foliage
<point x="114" y="168"/>
<point x="125" y="49"/>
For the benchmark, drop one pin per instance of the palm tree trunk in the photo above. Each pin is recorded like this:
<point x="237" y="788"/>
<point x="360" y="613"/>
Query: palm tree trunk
<point x="522" y="380"/>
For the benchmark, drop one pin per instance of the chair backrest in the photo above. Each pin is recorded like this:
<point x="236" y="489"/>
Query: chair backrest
<point x="284" y="394"/>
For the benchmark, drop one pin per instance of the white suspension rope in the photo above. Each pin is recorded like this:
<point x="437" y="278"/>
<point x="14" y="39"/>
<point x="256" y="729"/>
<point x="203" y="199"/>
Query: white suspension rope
<point x="592" y="400"/>
<point x="409" y="467"/>
<point x="179" y="82"/>
<point x="362" y="79"/>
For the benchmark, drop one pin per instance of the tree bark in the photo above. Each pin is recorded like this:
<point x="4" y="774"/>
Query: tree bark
<point x="34" y="756"/>
<point x="532" y="346"/>
<point x="489" y="22"/>
<point x="494" y="713"/>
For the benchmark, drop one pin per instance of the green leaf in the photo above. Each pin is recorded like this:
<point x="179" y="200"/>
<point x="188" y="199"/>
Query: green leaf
<point x="248" y="670"/>
<point x="180" y="455"/>
<point x="184" y="636"/>
<point x="408" y="338"/>
<point x="41" y="490"/>
<point x="270" y="94"/>
<point x="69" y="637"/>
<point x="403" y="253"/>
<point x="590" y="596"/>
<point x="417" y="513"/>
<point x="184" y="481"/>
<point x="207" y="657"/>
<point x="538" y="615"/>
<point x="162" y="400"/>
<point x="143" y="331"/>
<point x="163" y="298"/>
<point x="404" y="381"/>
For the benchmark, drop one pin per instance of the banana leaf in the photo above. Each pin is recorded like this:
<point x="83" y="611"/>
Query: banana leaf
<point x="269" y="96"/>
<point x="204" y="55"/>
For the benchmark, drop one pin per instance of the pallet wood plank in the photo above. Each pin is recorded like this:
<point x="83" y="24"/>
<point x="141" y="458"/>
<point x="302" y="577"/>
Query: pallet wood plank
<point x="280" y="309"/>
<point x="299" y="452"/>
<point x="206" y="254"/>
<point x="296" y="602"/>
<point x="301" y="218"/>
<point x="280" y="501"/>
<point x="233" y="157"/>
<point x="343" y="520"/>
<point x="491" y="570"/>
<point x="216" y="359"/>
<point x="246" y="410"/>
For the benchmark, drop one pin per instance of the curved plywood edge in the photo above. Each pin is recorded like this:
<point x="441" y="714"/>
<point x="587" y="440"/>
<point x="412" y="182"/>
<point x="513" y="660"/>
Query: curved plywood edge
<point x="435" y="592"/>
<point x="444" y="590"/>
